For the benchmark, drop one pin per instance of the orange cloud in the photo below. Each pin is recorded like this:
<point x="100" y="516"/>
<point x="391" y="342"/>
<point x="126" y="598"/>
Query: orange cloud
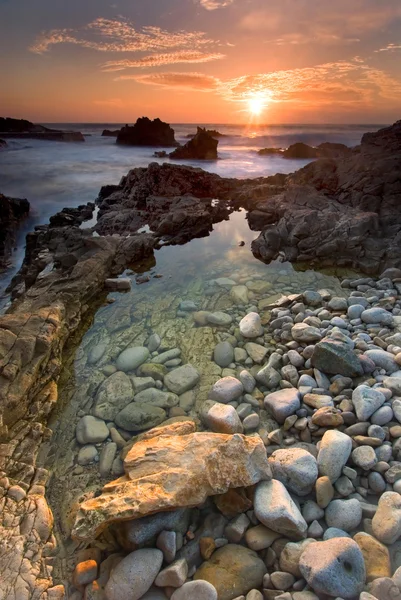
<point x="183" y="81"/>
<point x="156" y="60"/>
<point x="215" y="4"/>
<point x="120" y="35"/>
<point x="389" y="48"/>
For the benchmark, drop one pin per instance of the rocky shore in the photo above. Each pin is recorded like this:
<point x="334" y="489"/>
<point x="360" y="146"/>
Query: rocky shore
<point x="240" y="441"/>
<point x="23" y="129"/>
<point x="12" y="212"/>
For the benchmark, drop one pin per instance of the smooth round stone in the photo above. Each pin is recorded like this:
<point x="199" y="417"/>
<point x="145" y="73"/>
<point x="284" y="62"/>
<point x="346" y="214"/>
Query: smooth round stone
<point x="96" y="354"/>
<point x="153" y="342"/>
<point x="312" y="511"/>
<point x="260" y="537"/>
<point x="376" y="556"/>
<point x="296" y="469"/>
<point x="248" y="381"/>
<point x="112" y="396"/>
<point x="334" y="451"/>
<point x="376" y="482"/>
<point x="138" y="417"/>
<point x="334" y="532"/>
<point x="344" y="514"/>
<point x="355" y="311"/>
<point x="195" y="590"/>
<point x="223" y="354"/>
<point x="223" y="418"/>
<point x="87" y="455"/>
<point x="219" y="318"/>
<point x="182" y="380"/>
<point x="383" y="360"/>
<point x="385" y="588"/>
<point x="233" y="570"/>
<point x="275" y="508"/>
<point x="91" y="430"/>
<point x="307" y="381"/>
<point x="386" y="523"/>
<point x="377" y="316"/>
<point x="251" y="326"/>
<point x="301" y="332"/>
<point x="382" y="416"/>
<point x="334" y="567"/>
<point x="226" y="390"/>
<point x="366" y="401"/>
<point x="312" y="298"/>
<point x="132" y="358"/>
<point x="364" y="457"/>
<point x="283" y="404"/>
<point x="251" y="422"/>
<point x="134" y="575"/>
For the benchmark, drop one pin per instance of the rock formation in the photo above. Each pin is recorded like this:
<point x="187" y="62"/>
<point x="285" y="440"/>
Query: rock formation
<point x="304" y="151"/>
<point x="213" y="132"/>
<point x="3" y="143"/>
<point x="342" y="211"/>
<point x="110" y="132"/>
<point x="147" y="133"/>
<point x="23" y="129"/>
<point x="202" y="147"/>
<point x="12" y="212"/>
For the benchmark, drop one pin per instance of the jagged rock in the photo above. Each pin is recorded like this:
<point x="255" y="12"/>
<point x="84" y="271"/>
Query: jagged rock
<point x="205" y="464"/>
<point x="336" y="358"/>
<point x="12" y="212"/>
<point x="202" y="147"/>
<point x="147" y="133"/>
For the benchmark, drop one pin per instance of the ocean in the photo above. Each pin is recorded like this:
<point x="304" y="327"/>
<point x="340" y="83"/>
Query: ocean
<point x="54" y="175"/>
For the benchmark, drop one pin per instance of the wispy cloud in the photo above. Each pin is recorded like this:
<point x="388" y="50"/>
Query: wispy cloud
<point x="120" y="35"/>
<point x="156" y="60"/>
<point x="389" y="48"/>
<point x="183" y="81"/>
<point x="215" y="4"/>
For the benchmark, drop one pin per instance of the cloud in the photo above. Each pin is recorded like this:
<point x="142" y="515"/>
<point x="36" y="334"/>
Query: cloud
<point x="120" y="35"/>
<point x="389" y="48"/>
<point x="156" y="60"/>
<point x="351" y="85"/>
<point x="113" y="102"/>
<point x="184" y="81"/>
<point x="215" y="4"/>
<point x="323" y="22"/>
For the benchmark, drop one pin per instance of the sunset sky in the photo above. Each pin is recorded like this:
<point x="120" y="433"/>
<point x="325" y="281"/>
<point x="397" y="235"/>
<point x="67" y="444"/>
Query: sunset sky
<point x="217" y="61"/>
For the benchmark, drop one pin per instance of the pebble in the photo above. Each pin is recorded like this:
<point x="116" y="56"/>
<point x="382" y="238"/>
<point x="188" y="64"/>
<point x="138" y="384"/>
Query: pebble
<point x="296" y="469"/>
<point x="251" y="326"/>
<point x="335" y="449"/>
<point x="107" y="456"/>
<point x="344" y="514"/>
<point x="386" y="523"/>
<point x="283" y="403"/>
<point x="84" y="573"/>
<point x="301" y="332"/>
<point x="291" y="554"/>
<point x="364" y="457"/>
<point x="91" y="430"/>
<point x="195" y="590"/>
<point x="134" y="575"/>
<point x="174" y="575"/>
<point x="384" y="588"/>
<point x="260" y="537"/>
<point x="182" y="380"/>
<point x="223" y="354"/>
<point x="334" y="567"/>
<point x="275" y="508"/>
<point x="376" y="556"/>
<point x="223" y="418"/>
<point x="167" y="543"/>
<point x="87" y="455"/>
<point x="366" y="401"/>
<point x="132" y="358"/>
<point x="226" y="390"/>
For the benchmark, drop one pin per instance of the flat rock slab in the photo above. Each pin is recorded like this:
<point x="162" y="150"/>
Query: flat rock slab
<point x="171" y="472"/>
<point x="182" y="379"/>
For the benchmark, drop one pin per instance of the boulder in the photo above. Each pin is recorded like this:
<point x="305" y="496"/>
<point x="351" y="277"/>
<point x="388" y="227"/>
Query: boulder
<point x="205" y="464"/>
<point x="300" y="150"/>
<point x="233" y="570"/>
<point x="334" y="567"/>
<point x="202" y="147"/>
<point x="12" y="212"/>
<point x="147" y="133"/>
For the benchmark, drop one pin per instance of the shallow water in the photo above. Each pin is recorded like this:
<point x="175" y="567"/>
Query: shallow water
<point x="188" y="273"/>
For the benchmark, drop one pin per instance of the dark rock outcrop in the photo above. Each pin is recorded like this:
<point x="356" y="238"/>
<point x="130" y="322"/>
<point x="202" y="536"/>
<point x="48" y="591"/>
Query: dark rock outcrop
<point x="202" y="147"/>
<point x="3" y="143"/>
<point x="23" y="129"/>
<point x="213" y="132"/>
<point x="110" y="132"/>
<point x="342" y="211"/>
<point x="303" y="151"/>
<point x="147" y="133"/>
<point x="12" y="212"/>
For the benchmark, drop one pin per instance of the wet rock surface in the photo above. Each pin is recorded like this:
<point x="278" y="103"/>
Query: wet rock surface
<point x="12" y="213"/>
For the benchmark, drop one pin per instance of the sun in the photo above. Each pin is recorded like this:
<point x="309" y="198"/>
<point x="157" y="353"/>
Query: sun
<point x="256" y="105"/>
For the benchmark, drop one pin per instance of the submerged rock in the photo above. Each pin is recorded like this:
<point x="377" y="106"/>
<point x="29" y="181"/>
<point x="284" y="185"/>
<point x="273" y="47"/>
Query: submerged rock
<point x="137" y="416"/>
<point x="182" y="380"/>
<point x="131" y="358"/>
<point x="205" y="464"/>
<point x="147" y="133"/>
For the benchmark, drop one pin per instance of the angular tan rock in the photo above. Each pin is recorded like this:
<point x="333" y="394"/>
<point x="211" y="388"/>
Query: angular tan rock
<point x="376" y="556"/>
<point x="170" y="472"/>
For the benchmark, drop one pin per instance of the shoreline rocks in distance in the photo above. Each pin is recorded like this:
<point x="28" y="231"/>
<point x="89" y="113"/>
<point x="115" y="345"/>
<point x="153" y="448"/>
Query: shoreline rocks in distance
<point x="213" y="132"/>
<point x="23" y="129"/>
<point x="110" y="132"/>
<point x="299" y="150"/>
<point x="147" y="133"/>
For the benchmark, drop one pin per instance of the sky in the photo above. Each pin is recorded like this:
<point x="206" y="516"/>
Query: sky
<point x="201" y="61"/>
